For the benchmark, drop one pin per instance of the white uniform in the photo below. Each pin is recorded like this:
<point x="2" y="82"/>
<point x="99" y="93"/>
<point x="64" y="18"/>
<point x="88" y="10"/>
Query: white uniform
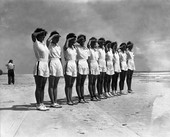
<point x="116" y="62"/>
<point x="70" y="66"/>
<point x="82" y="56"/>
<point x="93" y="64"/>
<point x="102" y="60"/>
<point x="123" y="61"/>
<point x="41" y="53"/>
<point x="109" y="63"/>
<point x="55" y="65"/>
<point x="10" y="66"/>
<point x="130" y="60"/>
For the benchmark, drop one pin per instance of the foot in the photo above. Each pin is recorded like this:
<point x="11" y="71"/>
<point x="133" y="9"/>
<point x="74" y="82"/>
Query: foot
<point x="130" y="91"/>
<point x="103" y="97"/>
<point x="85" y="101"/>
<point x="42" y="107"/>
<point x="93" y="99"/>
<point x="110" y="94"/>
<point x="107" y="95"/>
<point x="56" y="105"/>
<point x="97" y="99"/>
<point x="118" y="93"/>
<point x="70" y="103"/>
<point x="80" y="101"/>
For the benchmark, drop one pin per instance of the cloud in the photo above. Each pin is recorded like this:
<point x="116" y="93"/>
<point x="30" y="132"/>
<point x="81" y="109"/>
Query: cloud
<point x="140" y="21"/>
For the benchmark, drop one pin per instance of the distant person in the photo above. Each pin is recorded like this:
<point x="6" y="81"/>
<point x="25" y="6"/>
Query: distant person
<point x="109" y="68"/>
<point x="11" y="76"/>
<point x="131" y="65"/>
<point x="41" y="69"/>
<point x="70" y="72"/>
<point x="82" y="66"/>
<point x="102" y="67"/>
<point x="94" y="68"/>
<point x="55" y="67"/>
<point x="116" y="63"/>
<point x="124" y="67"/>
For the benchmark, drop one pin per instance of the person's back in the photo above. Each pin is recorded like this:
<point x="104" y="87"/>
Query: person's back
<point x="10" y="66"/>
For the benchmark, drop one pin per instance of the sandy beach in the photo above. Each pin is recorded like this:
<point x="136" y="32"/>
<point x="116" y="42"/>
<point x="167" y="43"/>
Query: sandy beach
<point x="145" y="113"/>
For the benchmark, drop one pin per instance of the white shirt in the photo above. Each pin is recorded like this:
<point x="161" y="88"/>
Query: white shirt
<point x="109" y="56"/>
<point x="130" y="60"/>
<point x="10" y="66"/>
<point x="102" y="54"/>
<point x="123" y="61"/>
<point x="55" y="51"/>
<point x="117" y="62"/>
<point x="93" y="55"/>
<point x="82" y="52"/>
<point x="70" y="54"/>
<point x="41" y="51"/>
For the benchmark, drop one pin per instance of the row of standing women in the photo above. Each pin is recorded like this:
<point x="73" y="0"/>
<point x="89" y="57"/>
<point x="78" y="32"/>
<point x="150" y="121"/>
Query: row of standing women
<point x="101" y="60"/>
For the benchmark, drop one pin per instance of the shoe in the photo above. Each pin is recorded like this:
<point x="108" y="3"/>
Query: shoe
<point x="114" y="93"/>
<point x="93" y="99"/>
<point x="81" y="101"/>
<point x="56" y="105"/>
<point x="107" y="95"/>
<point x="118" y="94"/>
<point x="103" y="97"/>
<point x="85" y="101"/>
<point x="70" y="103"/>
<point x="38" y="106"/>
<point x="42" y="107"/>
<point x="130" y="91"/>
<point x="97" y="99"/>
<point x="110" y="94"/>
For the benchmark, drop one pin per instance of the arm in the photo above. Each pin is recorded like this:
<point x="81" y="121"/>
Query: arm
<point x="48" y="42"/>
<point x="66" y="45"/>
<point x="34" y="35"/>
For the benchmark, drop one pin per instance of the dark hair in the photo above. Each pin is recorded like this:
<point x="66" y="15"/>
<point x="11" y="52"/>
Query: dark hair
<point x="39" y="30"/>
<point x="70" y="35"/>
<point x="53" y="33"/>
<point x="122" y="46"/>
<point x="130" y="46"/>
<point x="129" y="42"/>
<point x="107" y="42"/>
<point x="10" y="61"/>
<point x="91" y="39"/>
<point x="113" y="44"/>
<point x="80" y="36"/>
<point x="101" y="39"/>
<point x="106" y="45"/>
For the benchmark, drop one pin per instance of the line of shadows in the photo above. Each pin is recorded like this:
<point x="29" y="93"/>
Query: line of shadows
<point x="32" y="106"/>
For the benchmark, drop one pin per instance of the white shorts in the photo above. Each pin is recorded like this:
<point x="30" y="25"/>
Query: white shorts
<point x="109" y="68"/>
<point x="94" y="68"/>
<point x="41" y="69"/>
<point x="71" y="68"/>
<point x="102" y="65"/>
<point x="83" y="67"/>
<point x="56" y="68"/>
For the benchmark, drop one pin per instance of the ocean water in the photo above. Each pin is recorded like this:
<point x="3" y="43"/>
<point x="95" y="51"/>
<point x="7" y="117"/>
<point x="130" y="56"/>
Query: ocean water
<point x="153" y="76"/>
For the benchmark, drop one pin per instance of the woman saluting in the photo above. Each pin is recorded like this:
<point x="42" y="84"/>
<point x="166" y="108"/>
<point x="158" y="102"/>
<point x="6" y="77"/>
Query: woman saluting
<point x="41" y="69"/>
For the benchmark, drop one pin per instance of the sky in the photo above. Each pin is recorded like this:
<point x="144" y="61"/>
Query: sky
<point x="144" y="22"/>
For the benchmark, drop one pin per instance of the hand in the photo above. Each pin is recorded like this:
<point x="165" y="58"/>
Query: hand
<point x="69" y="39"/>
<point x="36" y="33"/>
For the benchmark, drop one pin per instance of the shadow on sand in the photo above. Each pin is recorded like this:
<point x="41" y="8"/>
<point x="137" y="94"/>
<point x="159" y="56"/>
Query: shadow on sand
<point x="32" y="106"/>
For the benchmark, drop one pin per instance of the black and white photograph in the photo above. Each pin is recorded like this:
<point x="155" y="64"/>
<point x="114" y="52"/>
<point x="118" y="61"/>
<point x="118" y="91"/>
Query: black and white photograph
<point x="85" y="68"/>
